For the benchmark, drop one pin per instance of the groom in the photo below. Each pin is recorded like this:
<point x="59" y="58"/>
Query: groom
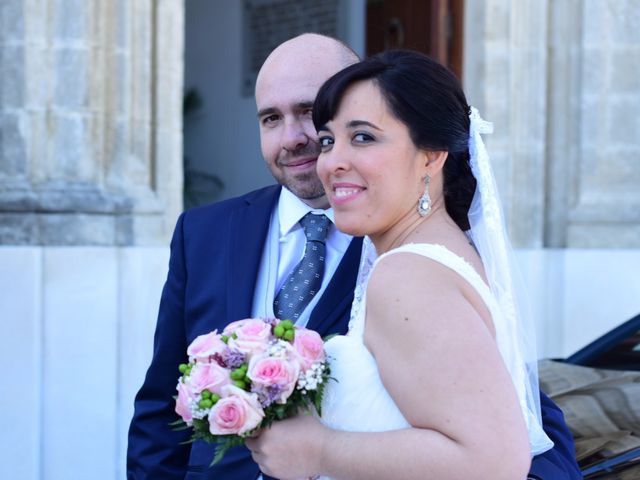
<point x="228" y="259"/>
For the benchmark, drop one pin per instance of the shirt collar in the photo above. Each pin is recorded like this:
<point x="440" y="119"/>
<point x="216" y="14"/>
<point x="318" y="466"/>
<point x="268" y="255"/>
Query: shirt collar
<point x="291" y="209"/>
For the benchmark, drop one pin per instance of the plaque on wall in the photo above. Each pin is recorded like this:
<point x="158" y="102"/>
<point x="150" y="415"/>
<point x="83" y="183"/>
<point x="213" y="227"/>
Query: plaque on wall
<point x="267" y="23"/>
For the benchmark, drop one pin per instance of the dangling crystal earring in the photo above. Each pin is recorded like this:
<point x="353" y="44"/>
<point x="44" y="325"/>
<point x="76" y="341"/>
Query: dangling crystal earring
<point x="424" y="203"/>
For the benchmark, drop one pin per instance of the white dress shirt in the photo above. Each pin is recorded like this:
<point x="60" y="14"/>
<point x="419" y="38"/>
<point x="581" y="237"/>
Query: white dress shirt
<point x="283" y="250"/>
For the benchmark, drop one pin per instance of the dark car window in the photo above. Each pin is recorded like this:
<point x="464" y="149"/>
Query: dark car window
<point x="623" y="356"/>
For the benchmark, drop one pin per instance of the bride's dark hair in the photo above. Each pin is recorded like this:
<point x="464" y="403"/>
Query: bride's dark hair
<point x="428" y="99"/>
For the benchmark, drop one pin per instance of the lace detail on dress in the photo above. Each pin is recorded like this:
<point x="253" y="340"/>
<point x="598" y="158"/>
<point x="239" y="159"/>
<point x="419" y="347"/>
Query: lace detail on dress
<point x="367" y="261"/>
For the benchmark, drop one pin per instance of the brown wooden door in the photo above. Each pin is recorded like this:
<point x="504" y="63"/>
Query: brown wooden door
<point x="434" y="27"/>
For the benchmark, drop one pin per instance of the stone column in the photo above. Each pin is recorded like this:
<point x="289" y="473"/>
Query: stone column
<point x="90" y="121"/>
<point x="561" y="82"/>
<point x="505" y="77"/>
<point x="594" y="124"/>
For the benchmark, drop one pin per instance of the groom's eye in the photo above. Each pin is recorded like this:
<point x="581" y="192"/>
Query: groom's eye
<point x="269" y="120"/>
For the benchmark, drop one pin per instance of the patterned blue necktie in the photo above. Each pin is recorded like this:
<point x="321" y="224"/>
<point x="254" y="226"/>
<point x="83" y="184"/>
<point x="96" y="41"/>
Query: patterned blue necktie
<point x="306" y="278"/>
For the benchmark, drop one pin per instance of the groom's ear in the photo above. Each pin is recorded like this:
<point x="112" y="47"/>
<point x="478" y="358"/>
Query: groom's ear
<point x="434" y="161"/>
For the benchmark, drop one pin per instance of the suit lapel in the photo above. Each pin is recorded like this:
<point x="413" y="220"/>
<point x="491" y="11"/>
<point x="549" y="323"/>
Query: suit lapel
<point x="331" y="314"/>
<point x="248" y="231"/>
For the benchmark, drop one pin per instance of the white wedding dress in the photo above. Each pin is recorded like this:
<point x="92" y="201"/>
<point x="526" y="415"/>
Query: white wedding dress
<point x="358" y="401"/>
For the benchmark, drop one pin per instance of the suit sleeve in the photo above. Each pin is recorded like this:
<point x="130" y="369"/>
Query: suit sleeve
<point x="154" y="449"/>
<point x="559" y="463"/>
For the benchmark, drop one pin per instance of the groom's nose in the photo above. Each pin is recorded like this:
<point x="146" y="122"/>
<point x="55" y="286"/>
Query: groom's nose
<point x="295" y="135"/>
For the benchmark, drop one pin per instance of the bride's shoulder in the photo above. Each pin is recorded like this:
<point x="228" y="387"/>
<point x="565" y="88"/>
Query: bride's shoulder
<point x="410" y="272"/>
<point x="413" y="294"/>
<point x="433" y="286"/>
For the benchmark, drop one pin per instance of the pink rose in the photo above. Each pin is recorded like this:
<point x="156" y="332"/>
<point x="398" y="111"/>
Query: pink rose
<point x="309" y="347"/>
<point x="206" y="345"/>
<point x="233" y="326"/>
<point x="253" y="336"/>
<point x="265" y="371"/>
<point x="238" y="412"/>
<point x="208" y="376"/>
<point x="183" y="402"/>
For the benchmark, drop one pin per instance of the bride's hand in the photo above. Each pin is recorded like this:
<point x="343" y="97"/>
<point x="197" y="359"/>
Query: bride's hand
<point x="290" y="448"/>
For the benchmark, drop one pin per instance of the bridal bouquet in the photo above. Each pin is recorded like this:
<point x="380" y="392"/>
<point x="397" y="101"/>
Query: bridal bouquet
<point x="255" y="372"/>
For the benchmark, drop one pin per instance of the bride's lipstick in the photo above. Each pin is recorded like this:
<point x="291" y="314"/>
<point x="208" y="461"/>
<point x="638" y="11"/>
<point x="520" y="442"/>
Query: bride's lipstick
<point x="345" y="192"/>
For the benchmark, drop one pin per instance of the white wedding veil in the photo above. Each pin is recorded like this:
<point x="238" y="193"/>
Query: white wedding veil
<point x="516" y="337"/>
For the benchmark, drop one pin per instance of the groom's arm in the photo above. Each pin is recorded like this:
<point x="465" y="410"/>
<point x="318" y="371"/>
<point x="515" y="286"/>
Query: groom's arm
<point x="559" y="463"/>
<point x="154" y="449"/>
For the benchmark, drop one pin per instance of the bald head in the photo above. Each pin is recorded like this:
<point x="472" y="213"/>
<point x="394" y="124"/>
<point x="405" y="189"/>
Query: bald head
<point x="310" y="52"/>
<point x="286" y="88"/>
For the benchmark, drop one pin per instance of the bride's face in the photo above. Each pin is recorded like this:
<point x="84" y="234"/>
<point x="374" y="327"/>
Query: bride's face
<point x="369" y="166"/>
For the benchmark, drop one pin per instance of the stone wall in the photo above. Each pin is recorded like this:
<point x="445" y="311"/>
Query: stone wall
<point x="90" y="121"/>
<point x="561" y="82"/>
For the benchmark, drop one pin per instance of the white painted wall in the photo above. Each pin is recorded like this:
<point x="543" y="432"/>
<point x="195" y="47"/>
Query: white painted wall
<point x="76" y="335"/>
<point x="578" y="295"/>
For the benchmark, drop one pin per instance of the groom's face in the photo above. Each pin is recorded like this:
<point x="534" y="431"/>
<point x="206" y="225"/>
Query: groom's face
<point x="285" y="91"/>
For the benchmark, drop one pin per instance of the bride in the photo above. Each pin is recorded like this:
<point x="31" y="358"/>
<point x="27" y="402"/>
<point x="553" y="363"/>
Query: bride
<point x="434" y="378"/>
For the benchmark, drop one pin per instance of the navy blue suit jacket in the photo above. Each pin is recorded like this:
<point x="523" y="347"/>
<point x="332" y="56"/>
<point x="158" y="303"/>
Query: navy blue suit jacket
<point x="215" y="257"/>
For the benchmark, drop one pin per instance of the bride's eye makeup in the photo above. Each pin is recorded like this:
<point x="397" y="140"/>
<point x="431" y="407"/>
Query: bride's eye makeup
<point x="363" y="137"/>
<point x="325" y="141"/>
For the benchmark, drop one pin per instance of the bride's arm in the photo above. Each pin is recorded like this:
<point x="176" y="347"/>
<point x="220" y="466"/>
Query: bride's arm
<point x="438" y="360"/>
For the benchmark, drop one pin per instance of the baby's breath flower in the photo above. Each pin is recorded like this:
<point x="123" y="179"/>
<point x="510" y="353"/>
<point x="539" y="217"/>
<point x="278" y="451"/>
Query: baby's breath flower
<point x="310" y="379"/>
<point x="278" y="348"/>
<point x="196" y="410"/>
